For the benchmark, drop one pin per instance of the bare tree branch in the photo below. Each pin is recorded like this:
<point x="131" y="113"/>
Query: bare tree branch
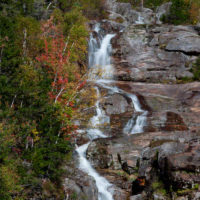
<point x="49" y="5"/>
<point x="13" y="101"/>
<point x="66" y="44"/>
<point x="61" y="90"/>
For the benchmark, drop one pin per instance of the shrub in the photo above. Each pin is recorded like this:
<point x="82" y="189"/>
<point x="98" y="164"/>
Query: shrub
<point x="179" y="12"/>
<point x="154" y="3"/>
<point x="195" y="11"/>
<point x="196" y="70"/>
<point x="93" y="8"/>
<point x="183" y="12"/>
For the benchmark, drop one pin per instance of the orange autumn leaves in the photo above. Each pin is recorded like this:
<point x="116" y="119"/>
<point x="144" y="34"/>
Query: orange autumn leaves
<point x="195" y="11"/>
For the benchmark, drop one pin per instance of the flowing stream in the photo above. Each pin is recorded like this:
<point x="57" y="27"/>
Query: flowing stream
<point x="101" y="72"/>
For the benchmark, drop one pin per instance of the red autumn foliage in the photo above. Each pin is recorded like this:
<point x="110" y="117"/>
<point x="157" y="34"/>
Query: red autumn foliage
<point x="55" y="58"/>
<point x="16" y="150"/>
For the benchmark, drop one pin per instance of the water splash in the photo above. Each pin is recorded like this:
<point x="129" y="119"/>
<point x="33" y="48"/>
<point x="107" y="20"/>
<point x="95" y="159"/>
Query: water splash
<point x="137" y="123"/>
<point x="101" y="118"/>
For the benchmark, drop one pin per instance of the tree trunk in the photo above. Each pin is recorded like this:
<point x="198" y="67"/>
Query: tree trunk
<point x="142" y="4"/>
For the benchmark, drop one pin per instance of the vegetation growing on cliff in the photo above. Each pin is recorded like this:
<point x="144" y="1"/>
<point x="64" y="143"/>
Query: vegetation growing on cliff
<point x="196" y="70"/>
<point x="181" y="11"/>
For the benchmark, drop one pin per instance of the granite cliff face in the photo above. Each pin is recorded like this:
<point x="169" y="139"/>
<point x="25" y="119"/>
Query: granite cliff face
<point x="149" y="59"/>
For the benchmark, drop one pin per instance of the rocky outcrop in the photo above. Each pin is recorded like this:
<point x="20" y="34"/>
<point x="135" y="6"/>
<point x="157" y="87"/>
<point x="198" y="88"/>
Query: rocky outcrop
<point x="155" y="54"/>
<point x="149" y="59"/>
<point x="168" y="150"/>
<point x="81" y="189"/>
<point x="170" y="107"/>
<point x="175" y="162"/>
<point x="174" y="158"/>
<point x="117" y="104"/>
<point x="181" y="38"/>
<point x="129" y="15"/>
<point x="184" y="43"/>
<point x="78" y="185"/>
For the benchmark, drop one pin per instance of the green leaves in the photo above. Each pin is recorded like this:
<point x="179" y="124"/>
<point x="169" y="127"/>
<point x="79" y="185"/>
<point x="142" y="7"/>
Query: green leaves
<point x="196" y="70"/>
<point x="179" y="12"/>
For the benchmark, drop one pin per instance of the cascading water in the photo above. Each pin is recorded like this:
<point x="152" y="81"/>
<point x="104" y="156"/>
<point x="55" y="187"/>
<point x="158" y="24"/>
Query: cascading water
<point x="102" y="184"/>
<point x="140" y="19"/>
<point x="136" y="126"/>
<point x="99" y="55"/>
<point x="101" y="69"/>
<point x="137" y="122"/>
<point x="101" y="117"/>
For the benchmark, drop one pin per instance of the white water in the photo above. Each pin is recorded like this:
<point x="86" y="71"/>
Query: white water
<point x="99" y="55"/>
<point x="100" y="69"/>
<point x="102" y="184"/>
<point x="140" y="19"/>
<point x="136" y="126"/>
<point x="100" y="118"/>
<point x="137" y="123"/>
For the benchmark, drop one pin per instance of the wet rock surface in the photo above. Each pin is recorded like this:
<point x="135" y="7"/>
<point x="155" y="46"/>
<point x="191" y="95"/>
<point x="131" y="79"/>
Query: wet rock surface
<point x="163" y="160"/>
<point x="169" y="149"/>
<point x="79" y="185"/>
<point x="174" y="158"/>
<point x="116" y="104"/>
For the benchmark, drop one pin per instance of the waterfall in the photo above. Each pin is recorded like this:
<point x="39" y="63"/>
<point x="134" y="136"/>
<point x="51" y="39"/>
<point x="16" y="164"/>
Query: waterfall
<point x="99" y="55"/>
<point x="102" y="184"/>
<point x="136" y="123"/>
<point x="100" y="67"/>
<point x="100" y="70"/>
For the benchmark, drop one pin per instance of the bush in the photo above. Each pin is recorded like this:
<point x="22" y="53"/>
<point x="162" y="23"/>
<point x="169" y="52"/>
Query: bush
<point x="147" y="3"/>
<point x="93" y="9"/>
<point x="154" y="3"/>
<point x="196" y="70"/>
<point x="179" y="12"/>
<point x="183" y="12"/>
<point x="195" y="11"/>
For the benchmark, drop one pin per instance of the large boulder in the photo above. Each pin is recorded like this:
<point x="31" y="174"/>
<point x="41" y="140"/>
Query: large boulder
<point x="186" y="44"/>
<point x="181" y="39"/>
<point x="79" y="185"/>
<point x="116" y="104"/>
